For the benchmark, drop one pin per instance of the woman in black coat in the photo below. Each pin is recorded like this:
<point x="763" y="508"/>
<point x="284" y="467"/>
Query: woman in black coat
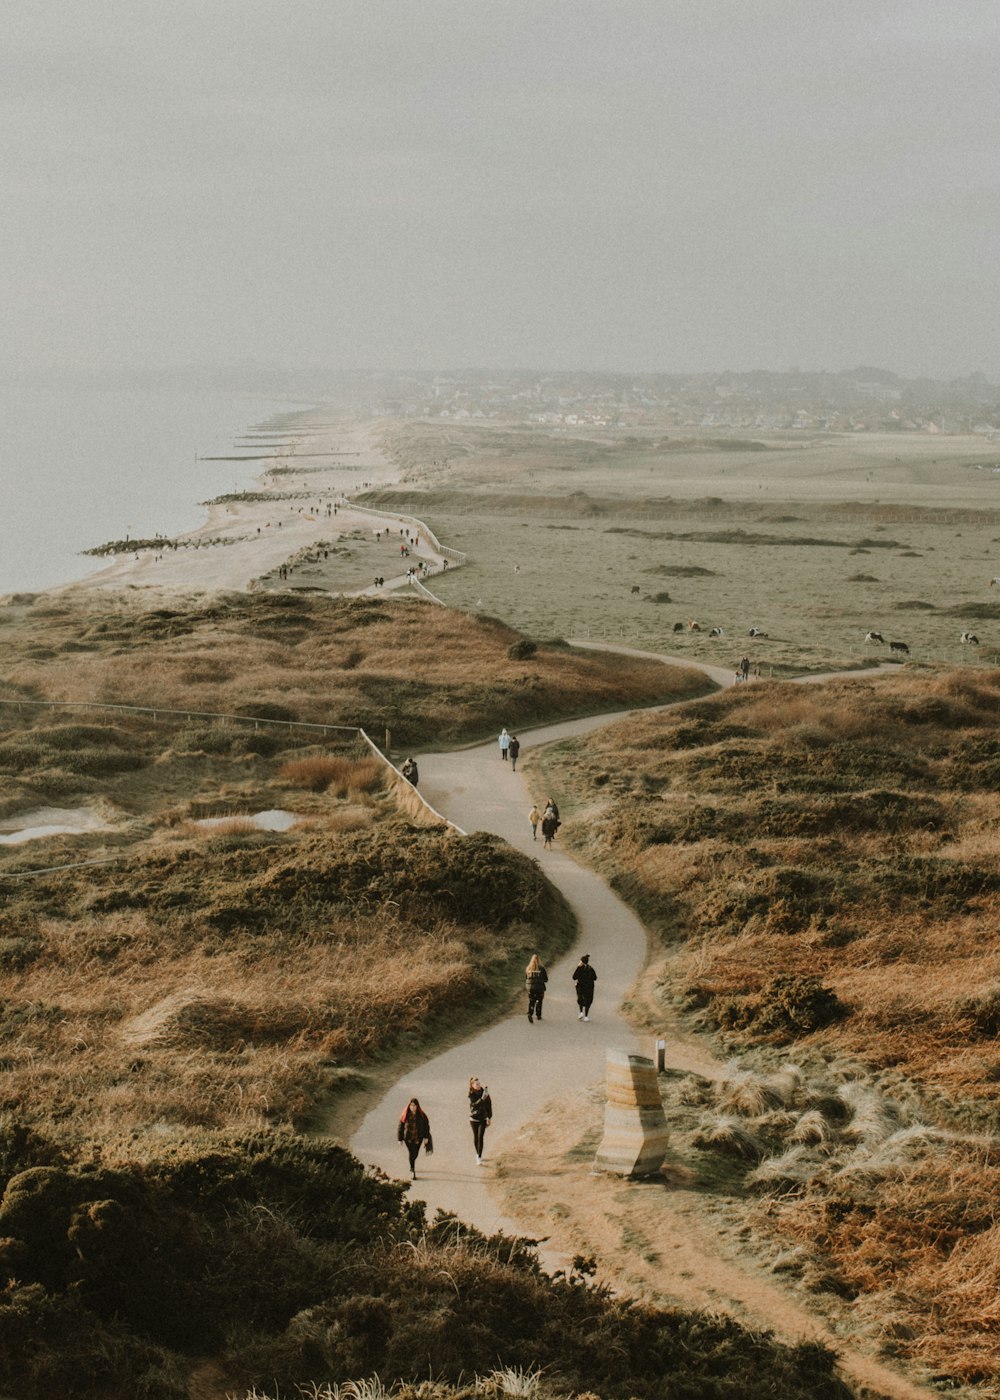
<point x="584" y="976"/>
<point x="535" y="978"/>
<point x="415" y="1131"/>
<point x="480" y="1113"/>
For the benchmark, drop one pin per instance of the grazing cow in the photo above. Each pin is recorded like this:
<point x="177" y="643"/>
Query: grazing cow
<point x="875" y="637"/>
<point x="995" y="580"/>
<point x="971" y="638"/>
<point x="716" y="632"/>
<point x="635" y="588"/>
<point x="678" y="627"/>
<point x="694" y="626"/>
<point x="756" y="632"/>
<point x="899" y="646"/>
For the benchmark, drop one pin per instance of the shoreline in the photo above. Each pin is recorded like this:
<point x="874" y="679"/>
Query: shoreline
<point x="241" y="541"/>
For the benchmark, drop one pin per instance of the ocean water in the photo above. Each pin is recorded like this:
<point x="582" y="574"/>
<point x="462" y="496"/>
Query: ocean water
<point x="79" y="466"/>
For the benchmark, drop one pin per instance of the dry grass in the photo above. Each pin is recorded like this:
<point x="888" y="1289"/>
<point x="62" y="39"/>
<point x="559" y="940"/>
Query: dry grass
<point x="316" y="659"/>
<point x="212" y="977"/>
<point x="232" y="1038"/>
<point x="345" y="777"/>
<point x="846" y="837"/>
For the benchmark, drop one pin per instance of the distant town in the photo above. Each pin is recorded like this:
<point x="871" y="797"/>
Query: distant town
<point x="858" y="400"/>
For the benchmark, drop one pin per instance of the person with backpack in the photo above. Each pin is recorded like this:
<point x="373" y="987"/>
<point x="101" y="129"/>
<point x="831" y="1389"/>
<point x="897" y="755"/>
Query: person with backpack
<point x="480" y="1114"/>
<point x="535" y="978"/>
<point x="415" y="1131"/>
<point x="584" y="976"/>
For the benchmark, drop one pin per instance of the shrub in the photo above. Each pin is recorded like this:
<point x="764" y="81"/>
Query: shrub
<point x="267" y="709"/>
<point x="983" y="1012"/>
<point x="522" y="649"/>
<point x="18" y="951"/>
<point x="798" y="1005"/>
<point x="288" y="1255"/>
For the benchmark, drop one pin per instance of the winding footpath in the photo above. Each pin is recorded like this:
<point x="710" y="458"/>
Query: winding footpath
<point x="529" y="1066"/>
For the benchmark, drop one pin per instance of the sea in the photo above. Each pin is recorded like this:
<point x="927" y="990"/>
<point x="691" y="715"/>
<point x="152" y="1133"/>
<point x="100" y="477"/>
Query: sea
<point x="82" y="465"/>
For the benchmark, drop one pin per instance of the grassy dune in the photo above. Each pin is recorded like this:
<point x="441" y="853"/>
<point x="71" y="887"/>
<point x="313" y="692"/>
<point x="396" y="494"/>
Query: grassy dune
<point x="170" y="1018"/>
<point x="219" y="977"/>
<point x="430" y="675"/>
<point x="823" y="866"/>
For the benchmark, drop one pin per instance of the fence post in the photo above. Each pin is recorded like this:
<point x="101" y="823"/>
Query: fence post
<point x="388" y="741"/>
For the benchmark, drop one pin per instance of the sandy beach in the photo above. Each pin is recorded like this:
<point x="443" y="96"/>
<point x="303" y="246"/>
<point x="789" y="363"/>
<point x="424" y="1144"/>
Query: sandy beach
<point x="242" y="544"/>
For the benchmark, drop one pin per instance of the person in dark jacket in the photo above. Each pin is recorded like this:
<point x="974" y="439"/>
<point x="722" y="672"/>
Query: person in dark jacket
<point x="480" y="1113"/>
<point x="409" y="771"/>
<point x="514" y="748"/>
<point x="535" y="978"/>
<point x="550" y="825"/>
<point x="584" y="976"/>
<point x="415" y="1131"/>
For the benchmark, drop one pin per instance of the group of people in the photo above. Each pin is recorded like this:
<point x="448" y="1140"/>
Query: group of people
<point x="510" y="747"/>
<point x="409" y="771"/>
<point x="549" y="821"/>
<point x="536" y="980"/>
<point x="414" y="1129"/>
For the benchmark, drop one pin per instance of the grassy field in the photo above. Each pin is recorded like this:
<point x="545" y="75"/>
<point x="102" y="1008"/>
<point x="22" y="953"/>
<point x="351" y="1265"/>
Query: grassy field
<point x="815" y="541"/>
<point x="431" y="676"/>
<point x="822" y="866"/>
<point x="219" y="976"/>
<point x="171" y="1017"/>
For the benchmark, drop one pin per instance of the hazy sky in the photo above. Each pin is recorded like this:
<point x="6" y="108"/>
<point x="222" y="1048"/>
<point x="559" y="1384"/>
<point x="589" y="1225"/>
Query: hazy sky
<point x="632" y="184"/>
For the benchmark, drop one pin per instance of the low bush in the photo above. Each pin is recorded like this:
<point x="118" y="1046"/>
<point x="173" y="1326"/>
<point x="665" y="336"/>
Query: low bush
<point x="982" y="1013"/>
<point x="294" y="1262"/>
<point x="796" y="1005"/>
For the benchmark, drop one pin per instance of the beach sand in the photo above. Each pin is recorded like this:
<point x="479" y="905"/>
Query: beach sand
<point x="242" y="544"/>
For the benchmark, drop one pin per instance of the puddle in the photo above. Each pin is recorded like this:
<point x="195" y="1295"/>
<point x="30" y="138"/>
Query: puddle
<point x="274" y="820"/>
<point x="49" y="821"/>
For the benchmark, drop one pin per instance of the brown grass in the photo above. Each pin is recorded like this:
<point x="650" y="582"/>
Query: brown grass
<point x="345" y="777"/>
<point x="321" y="660"/>
<point x="234" y="1039"/>
<point x="284" y="1006"/>
<point x="850" y="833"/>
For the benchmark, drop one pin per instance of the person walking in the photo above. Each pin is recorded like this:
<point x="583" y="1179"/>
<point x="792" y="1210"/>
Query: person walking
<point x="534" y="816"/>
<point x="550" y="825"/>
<point x="535" y="978"/>
<point x="504" y="741"/>
<point x="745" y="667"/>
<point x="480" y="1114"/>
<point x="514" y="748"/>
<point x="415" y="1131"/>
<point x="584" y="976"/>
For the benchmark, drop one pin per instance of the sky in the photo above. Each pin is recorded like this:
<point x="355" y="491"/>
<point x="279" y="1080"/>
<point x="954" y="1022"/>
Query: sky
<point x="658" y="185"/>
